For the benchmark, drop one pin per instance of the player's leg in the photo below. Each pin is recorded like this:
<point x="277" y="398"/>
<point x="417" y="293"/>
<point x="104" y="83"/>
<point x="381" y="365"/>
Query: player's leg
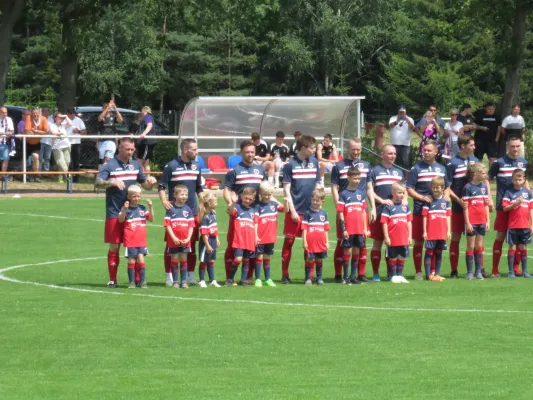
<point x="438" y="257"/>
<point x="458" y="227"/>
<point x="237" y="259"/>
<point x="113" y="236"/>
<point x="470" y="242"/>
<point x="430" y="245"/>
<point x="322" y="166"/>
<point x="478" y="255"/>
<point x="418" y="243"/>
<point x="131" y="270"/>
<point x="258" y="263"/>
<point x="140" y="266"/>
<point x="269" y="170"/>
<point x="338" y="253"/>
<point x="355" y="265"/>
<point x="174" y="265"/>
<point x="511" y="253"/>
<point x="309" y="266"/>
<point x="230" y="251"/>
<point x="376" y="233"/>
<point x="361" y="275"/>
<point x="191" y="257"/>
<point x="346" y="254"/>
<point x="291" y="230"/>
<point x="523" y="255"/>
<point x="266" y="270"/>
<point x="500" y="226"/>
<point x="244" y="271"/>
<point x="203" y="256"/>
<point x="183" y="270"/>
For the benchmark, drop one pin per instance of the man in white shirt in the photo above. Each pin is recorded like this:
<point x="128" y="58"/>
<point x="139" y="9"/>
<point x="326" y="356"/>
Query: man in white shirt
<point x="77" y="128"/>
<point x="514" y="126"/>
<point x="401" y="126"/>
<point x="6" y="131"/>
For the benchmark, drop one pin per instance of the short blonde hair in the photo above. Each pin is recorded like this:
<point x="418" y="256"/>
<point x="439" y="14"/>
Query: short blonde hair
<point x="134" y="189"/>
<point x="181" y="188"/>
<point x="319" y="193"/>
<point x="438" y="181"/>
<point x="397" y="186"/>
<point x="248" y="191"/>
<point x="266" y="187"/>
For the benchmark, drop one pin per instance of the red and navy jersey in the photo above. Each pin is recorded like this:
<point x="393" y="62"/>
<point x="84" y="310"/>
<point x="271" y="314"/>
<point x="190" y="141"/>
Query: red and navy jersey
<point x="316" y="224"/>
<point x="243" y="176"/>
<point x="353" y="205"/>
<point x="267" y="221"/>
<point x="178" y="172"/>
<point x="502" y="170"/>
<point x="519" y="216"/>
<point x="339" y="173"/>
<point x="477" y="197"/>
<point x="456" y="173"/>
<point x="244" y="227"/>
<point x="135" y="226"/>
<point x="129" y="173"/>
<point x="209" y="225"/>
<point x="437" y="213"/>
<point x="180" y="219"/>
<point x="303" y="176"/>
<point x="419" y="179"/>
<point x="397" y="218"/>
<point x="382" y="179"/>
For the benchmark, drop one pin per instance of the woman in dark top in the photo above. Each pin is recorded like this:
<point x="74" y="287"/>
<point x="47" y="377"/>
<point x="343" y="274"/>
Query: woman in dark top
<point x="145" y="146"/>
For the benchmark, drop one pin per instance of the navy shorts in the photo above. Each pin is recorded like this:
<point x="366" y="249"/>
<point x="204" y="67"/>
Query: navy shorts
<point x="267" y="249"/>
<point x="133" y="252"/>
<point x="178" y="250"/>
<point x="398" y="251"/>
<point x="436" y="245"/>
<point x="477" y="230"/>
<point x="353" y="241"/>
<point x="202" y="248"/>
<point x="313" y="256"/>
<point x="244" y="253"/>
<point x="518" y="236"/>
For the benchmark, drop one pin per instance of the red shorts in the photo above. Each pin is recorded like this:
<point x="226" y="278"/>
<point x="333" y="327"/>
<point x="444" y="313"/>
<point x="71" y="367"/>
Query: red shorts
<point x="376" y="230"/>
<point x="231" y="230"/>
<point x="418" y="227"/>
<point x="292" y="228"/>
<point x="502" y="221"/>
<point x="458" y="222"/>
<point x="114" y="231"/>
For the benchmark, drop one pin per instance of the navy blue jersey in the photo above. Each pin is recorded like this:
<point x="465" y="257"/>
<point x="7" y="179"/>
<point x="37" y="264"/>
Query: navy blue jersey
<point x="456" y="174"/>
<point x="419" y="179"/>
<point x="129" y="173"/>
<point x="502" y="170"/>
<point x="178" y="172"/>
<point x="382" y="179"/>
<point x="208" y="225"/>
<point x="339" y="173"/>
<point x="243" y="176"/>
<point x="303" y="176"/>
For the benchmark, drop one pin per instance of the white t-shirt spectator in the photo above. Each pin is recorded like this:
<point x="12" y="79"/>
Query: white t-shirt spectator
<point x="46" y="140"/>
<point x="6" y="125"/>
<point x="513" y="126"/>
<point x="454" y="130"/>
<point x="61" y="142"/>
<point x="77" y="122"/>
<point x="401" y="134"/>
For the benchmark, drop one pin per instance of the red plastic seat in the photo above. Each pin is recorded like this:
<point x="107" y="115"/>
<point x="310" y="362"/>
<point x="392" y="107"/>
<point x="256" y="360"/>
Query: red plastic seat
<point x="340" y="158"/>
<point x="217" y="164"/>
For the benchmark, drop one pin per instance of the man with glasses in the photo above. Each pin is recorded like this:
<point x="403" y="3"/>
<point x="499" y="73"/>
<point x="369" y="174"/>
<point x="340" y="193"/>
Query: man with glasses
<point x="6" y="131"/>
<point x="433" y="109"/>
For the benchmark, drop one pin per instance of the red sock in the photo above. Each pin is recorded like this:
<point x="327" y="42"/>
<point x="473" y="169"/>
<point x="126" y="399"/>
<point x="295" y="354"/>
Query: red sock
<point x="286" y="253"/>
<point x="137" y="272"/>
<point x="191" y="258"/>
<point x="362" y="262"/>
<point x="228" y="260"/>
<point x="112" y="265"/>
<point x="517" y="261"/>
<point x="166" y="261"/>
<point x="337" y="259"/>
<point x="375" y="258"/>
<point x="417" y="258"/>
<point x="496" y="255"/>
<point x="454" y="255"/>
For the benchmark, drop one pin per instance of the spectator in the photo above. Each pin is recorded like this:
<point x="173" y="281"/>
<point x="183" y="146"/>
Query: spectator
<point x="262" y="156"/>
<point x="297" y="136"/>
<point x="6" y="132"/>
<point x="134" y="126"/>
<point x="401" y="127"/>
<point x="514" y="126"/>
<point x="279" y="152"/>
<point x="61" y="145"/>
<point x="429" y="130"/>
<point x="434" y="111"/>
<point x="466" y="118"/>
<point x="487" y="133"/>
<point x="452" y="130"/>
<point x="36" y="124"/>
<point x="325" y="153"/>
<point x="45" y="153"/>
<point x="21" y="127"/>
<point x="108" y="119"/>
<point x="76" y="128"/>
<point x="145" y="147"/>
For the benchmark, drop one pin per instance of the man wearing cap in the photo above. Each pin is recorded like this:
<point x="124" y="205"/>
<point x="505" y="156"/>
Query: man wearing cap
<point x="401" y="126"/>
<point x="77" y="128"/>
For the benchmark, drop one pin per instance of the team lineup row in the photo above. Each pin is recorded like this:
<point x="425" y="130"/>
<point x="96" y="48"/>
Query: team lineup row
<point x="358" y="189"/>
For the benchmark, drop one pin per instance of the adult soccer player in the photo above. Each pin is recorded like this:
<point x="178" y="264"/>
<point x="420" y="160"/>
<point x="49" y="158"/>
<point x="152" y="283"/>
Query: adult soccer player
<point x="183" y="170"/>
<point x="116" y="176"/>
<point x="339" y="182"/>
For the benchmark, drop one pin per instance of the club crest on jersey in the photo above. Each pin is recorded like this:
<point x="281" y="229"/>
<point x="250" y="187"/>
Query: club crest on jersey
<point x="524" y="195"/>
<point x="437" y="169"/>
<point x="483" y="191"/>
<point x="273" y="208"/>
<point x="443" y="206"/>
<point x="130" y="167"/>
<point x="395" y="173"/>
<point x="520" y="164"/>
<point x="358" y="197"/>
<point x="185" y="214"/>
<point x="256" y="171"/>
<point x="322" y="218"/>
<point x="360" y="165"/>
<point x="193" y="167"/>
<point x="141" y="213"/>
<point x="404" y="208"/>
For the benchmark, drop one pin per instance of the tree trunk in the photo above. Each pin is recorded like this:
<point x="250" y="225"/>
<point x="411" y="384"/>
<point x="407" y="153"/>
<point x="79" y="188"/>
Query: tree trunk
<point x="161" y="103"/>
<point x="69" y="64"/>
<point x="516" y="58"/>
<point x="11" y="11"/>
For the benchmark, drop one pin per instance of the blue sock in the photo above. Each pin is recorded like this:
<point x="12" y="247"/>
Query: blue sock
<point x="510" y="260"/>
<point x="233" y="269"/>
<point x="244" y="270"/>
<point x="523" y="255"/>
<point x="469" y="261"/>
<point x="131" y="273"/>
<point x="345" y="264"/>
<point x="354" y="266"/>
<point x="174" y="269"/>
<point x="202" y="271"/>
<point x="258" y="268"/>
<point x="142" y="273"/>
<point x="438" y="261"/>
<point x="183" y="271"/>
<point x="478" y="259"/>
<point x="308" y="268"/>
<point x="427" y="262"/>
<point x="266" y="268"/>
<point x="211" y="271"/>
<point x="318" y="264"/>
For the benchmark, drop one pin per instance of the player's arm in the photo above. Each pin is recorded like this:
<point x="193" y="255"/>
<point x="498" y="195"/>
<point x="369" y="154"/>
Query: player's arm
<point x="490" y="202"/>
<point x="150" y="210"/>
<point x="319" y="153"/>
<point x="163" y="197"/>
<point x="365" y="227"/>
<point x="335" y="154"/>
<point x="487" y="216"/>
<point x="468" y="225"/>
<point x="123" y="212"/>
<point x="189" y="235"/>
<point x="416" y="196"/>
<point x="103" y="181"/>
<point x="119" y="115"/>
<point x="149" y="183"/>
<point x="386" y="237"/>
<point x="227" y="195"/>
<point x="370" y="194"/>
<point x="171" y="235"/>
<point x="424" y="227"/>
<point x="531" y="218"/>
<point x="449" y="223"/>
<point x="335" y="193"/>
<point x="304" y="239"/>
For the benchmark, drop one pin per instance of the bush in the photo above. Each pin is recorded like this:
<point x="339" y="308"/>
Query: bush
<point x="164" y="151"/>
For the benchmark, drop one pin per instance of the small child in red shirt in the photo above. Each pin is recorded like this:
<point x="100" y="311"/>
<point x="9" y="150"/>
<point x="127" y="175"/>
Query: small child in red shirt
<point x="518" y="202"/>
<point x="397" y="232"/>
<point x="475" y="196"/>
<point x="209" y="242"/>
<point x="315" y="227"/>
<point x="436" y="217"/>
<point x="134" y="217"/>
<point x="244" y="239"/>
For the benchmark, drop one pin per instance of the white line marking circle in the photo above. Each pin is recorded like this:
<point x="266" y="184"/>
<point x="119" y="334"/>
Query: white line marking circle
<point x="234" y="301"/>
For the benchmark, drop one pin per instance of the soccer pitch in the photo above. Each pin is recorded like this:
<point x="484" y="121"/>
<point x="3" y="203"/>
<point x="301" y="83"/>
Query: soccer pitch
<point x="66" y="336"/>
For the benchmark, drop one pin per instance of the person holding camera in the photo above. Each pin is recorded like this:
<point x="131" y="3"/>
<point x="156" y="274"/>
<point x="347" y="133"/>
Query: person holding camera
<point x="401" y="126"/>
<point x="107" y="120"/>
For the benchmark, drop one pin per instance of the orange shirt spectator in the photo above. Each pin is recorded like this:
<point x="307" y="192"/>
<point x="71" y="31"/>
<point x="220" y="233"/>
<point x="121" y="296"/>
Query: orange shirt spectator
<point x="36" y="124"/>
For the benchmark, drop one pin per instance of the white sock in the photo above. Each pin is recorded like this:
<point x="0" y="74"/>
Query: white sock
<point x="271" y="180"/>
<point x="190" y="275"/>
<point x="169" y="275"/>
<point x="322" y="181"/>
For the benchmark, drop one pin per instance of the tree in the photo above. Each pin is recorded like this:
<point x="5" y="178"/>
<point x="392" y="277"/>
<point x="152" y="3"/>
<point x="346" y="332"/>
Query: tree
<point x="11" y="12"/>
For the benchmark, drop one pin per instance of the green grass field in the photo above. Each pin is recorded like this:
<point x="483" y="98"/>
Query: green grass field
<point x="66" y="336"/>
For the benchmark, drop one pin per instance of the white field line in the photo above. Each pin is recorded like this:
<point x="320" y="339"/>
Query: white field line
<point x="234" y="301"/>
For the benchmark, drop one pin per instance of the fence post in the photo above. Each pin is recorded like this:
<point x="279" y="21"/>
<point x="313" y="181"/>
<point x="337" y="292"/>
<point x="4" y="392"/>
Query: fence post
<point x="24" y="158"/>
